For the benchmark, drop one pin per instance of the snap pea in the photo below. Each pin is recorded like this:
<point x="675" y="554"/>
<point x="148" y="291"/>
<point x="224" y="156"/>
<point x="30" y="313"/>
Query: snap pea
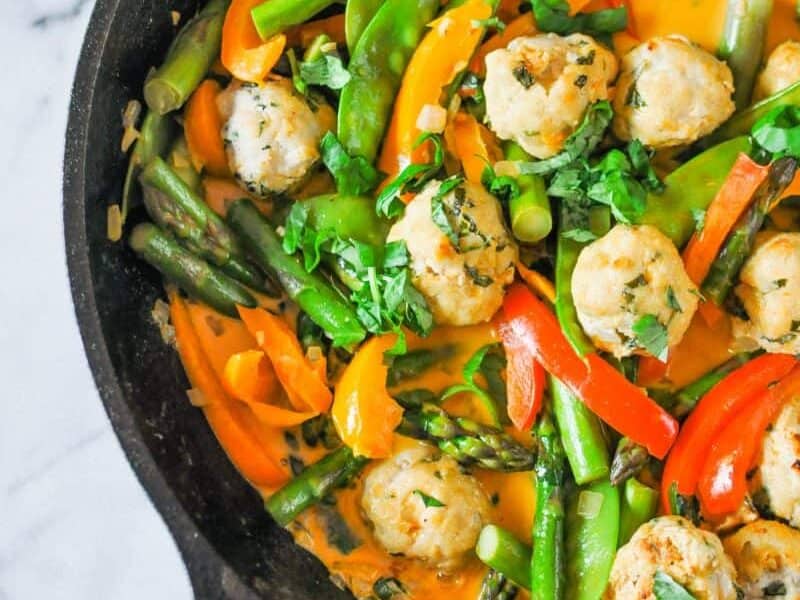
<point x="531" y="216"/>
<point x="376" y="66"/>
<point x="351" y="217"/>
<point x="275" y="16"/>
<point x="742" y="44"/>
<point x="503" y="552"/>
<point x="357" y="17"/>
<point x="592" y="535"/>
<point x="742" y="122"/>
<point x="639" y="505"/>
<point x="690" y="188"/>
<point x="547" y="561"/>
<point x="581" y="435"/>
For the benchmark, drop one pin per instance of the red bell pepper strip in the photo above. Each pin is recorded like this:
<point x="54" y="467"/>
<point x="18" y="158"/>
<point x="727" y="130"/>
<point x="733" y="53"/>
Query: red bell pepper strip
<point x="602" y="389"/>
<point x="723" y="480"/>
<point x="525" y="379"/>
<point x="712" y="414"/>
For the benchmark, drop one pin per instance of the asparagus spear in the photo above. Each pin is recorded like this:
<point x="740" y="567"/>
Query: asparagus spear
<point x="739" y="244"/>
<point x="689" y="396"/>
<point x="504" y="553"/>
<point x="495" y="586"/>
<point x="548" y="561"/>
<point x="531" y="217"/>
<point x="470" y="443"/>
<point x="415" y="363"/>
<point x="323" y="304"/>
<point x="742" y="44"/>
<point x="191" y="55"/>
<point x="629" y="460"/>
<point x="313" y="484"/>
<point x="193" y="274"/>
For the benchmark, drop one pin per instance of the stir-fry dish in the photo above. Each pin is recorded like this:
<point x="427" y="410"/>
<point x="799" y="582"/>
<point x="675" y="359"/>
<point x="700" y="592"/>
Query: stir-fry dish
<point x="489" y="298"/>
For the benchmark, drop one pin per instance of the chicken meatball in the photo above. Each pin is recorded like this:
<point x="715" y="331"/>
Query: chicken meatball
<point x="768" y="291"/>
<point x="537" y="90"/>
<point x="671" y="92"/>
<point x="672" y="545"/>
<point x="631" y="276"/>
<point x="767" y="558"/>
<point x="423" y="506"/>
<point x="462" y="256"/>
<point x="776" y="482"/>
<point x="272" y="135"/>
<point x="781" y="71"/>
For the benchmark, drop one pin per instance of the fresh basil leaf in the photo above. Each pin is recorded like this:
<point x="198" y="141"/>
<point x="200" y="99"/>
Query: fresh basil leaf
<point x="503" y="188"/>
<point x="651" y="335"/>
<point x="294" y="228"/>
<point x="442" y="214"/>
<point x="553" y="16"/>
<point x="327" y="70"/>
<point x="626" y="197"/>
<point x="672" y="300"/>
<point x="778" y="132"/>
<point x="640" y="159"/>
<point x="684" y="506"/>
<point x="583" y="236"/>
<point x="429" y="501"/>
<point x="471" y="369"/>
<point x="699" y="217"/>
<point x="354" y="176"/>
<point x="666" y="588"/>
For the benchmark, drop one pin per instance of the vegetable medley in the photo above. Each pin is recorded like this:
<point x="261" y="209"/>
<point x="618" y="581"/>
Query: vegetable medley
<point x="491" y="298"/>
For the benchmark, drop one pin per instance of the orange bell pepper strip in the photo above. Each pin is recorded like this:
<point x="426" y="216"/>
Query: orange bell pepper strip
<point x="723" y="480"/>
<point x="243" y="53"/>
<point x="364" y="413"/>
<point x="443" y="53"/>
<point x="238" y="433"/>
<point x="712" y="414"/>
<point x="302" y="382"/>
<point x="521" y="26"/>
<point x="538" y="283"/>
<point x="525" y="379"/>
<point x="473" y="144"/>
<point x="732" y="200"/>
<point x="602" y="389"/>
<point x="203" y="129"/>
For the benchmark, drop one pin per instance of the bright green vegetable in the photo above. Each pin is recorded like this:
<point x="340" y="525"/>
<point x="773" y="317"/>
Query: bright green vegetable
<point x="275" y="16"/>
<point x="354" y="176"/>
<point x="629" y="460"/>
<point x="581" y="435"/>
<point x="350" y="217"/>
<point x="724" y="270"/>
<point x="314" y="484"/>
<point x="548" y="568"/>
<point x="743" y="42"/>
<point x="188" y="60"/>
<point x="688" y="397"/>
<point x="377" y="65"/>
<point x="495" y="586"/>
<point x="181" y="162"/>
<point x="778" y="132"/>
<point x="357" y="17"/>
<point x="639" y="505"/>
<point x="554" y="16"/>
<point x="335" y="315"/>
<point x="194" y="275"/>
<point x="666" y="588"/>
<point x="474" y="366"/>
<point x="531" y="217"/>
<point x="690" y="188"/>
<point x="155" y="134"/>
<point x="413" y="364"/>
<point x="592" y="532"/>
<point x="503" y="552"/>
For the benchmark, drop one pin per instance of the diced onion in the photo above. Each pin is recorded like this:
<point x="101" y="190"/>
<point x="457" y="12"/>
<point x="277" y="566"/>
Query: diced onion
<point x="114" y="223"/>
<point x="328" y="48"/>
<point x="507" y="168"/>
<point x="314" y="354"/>
<point x="197" y="398"/>
<point x="160" y="315"/>
<point x="589" y="504"/>
<point x="130" y="116"/>
<point x="176" y="17"/>
<point x="432" y="118"/>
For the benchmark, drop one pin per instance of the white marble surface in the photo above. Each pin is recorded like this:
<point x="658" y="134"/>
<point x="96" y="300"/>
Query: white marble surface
<point x="74" y="522"/>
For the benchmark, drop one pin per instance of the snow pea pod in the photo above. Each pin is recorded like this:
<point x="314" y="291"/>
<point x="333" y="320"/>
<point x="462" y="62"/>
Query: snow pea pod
<point x="639" y="505"/>
<point x="592" y="534"/>
<point x="357" y="17"/>
<point x="377" y="65"/>
<point x="690" y="188"/>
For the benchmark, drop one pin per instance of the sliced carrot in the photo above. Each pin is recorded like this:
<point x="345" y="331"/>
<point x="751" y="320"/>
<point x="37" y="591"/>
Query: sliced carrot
<point x="300" y="379"/>
<point x="203" y="128"/>
<point x="303" y="35"/>
<point x="521" y="26"/>
<point x="441" y="55"/>
<point x="364" y="413"/>
<point x="244" y="54"/>
<point x="473" y="144"/>
<point x="252" y="449"/>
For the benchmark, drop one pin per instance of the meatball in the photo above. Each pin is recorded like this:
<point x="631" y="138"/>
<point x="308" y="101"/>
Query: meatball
<point x="462" y="275"/>
<point x="767" y="557"/>
<point x="768" y="291"/>
<point x="537" y="90"/>
<point x="776" y="482"/>
<point x="272" y="135"/>
<point x="628" y="274"/>
<point x="671" y="92"/>
<point x="692" y="557"/>
<point x="781" y="71"/>
<point x="423" y="506"/>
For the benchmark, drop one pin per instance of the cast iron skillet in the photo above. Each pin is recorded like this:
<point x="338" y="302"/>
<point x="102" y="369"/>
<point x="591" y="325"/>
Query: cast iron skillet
<point x="232" y="549"/>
